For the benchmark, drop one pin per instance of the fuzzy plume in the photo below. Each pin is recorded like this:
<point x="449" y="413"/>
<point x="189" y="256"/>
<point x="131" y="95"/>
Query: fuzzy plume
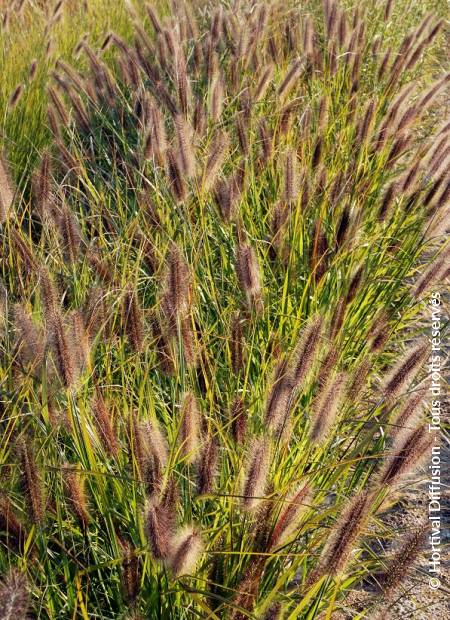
<point x="404" y="371"/>
<point x="132" y="314"/>
<point x="185" y="148"/>
<point x="164" y="355"/>
<point x="217" y="100"/>
<point x="32" y="481"/>
<point x="14" y="598"/>
<point x="256" y="471"/>
<point x="238" y="417"/>
<point x="432" y="273"/>
<point x="150" y="449"/>
<point x="75" y="483"/>
<point x="189" y="436"/>
<point x="176" y="177"/>
<point x="278" y="225"/>
<point x="248" y="273"/>
<point x="62" y="348"/>
<point x="188" y="338"/>
<point x="42" y="186"/>
<point x="290" y="78"/>
<point x="327" y="364"/>
<point x="357" y="379"/>
<point x="400" y="563"/>
<point x="79" y="337"/>
<point x="58" y="107"/>
<point x="15" y="97"/>
<point x="29" y="341"/>
<point x="408" y="414"/>
<point x="94" y="313"/>
<point x="263" y="83"/>
<point x="10" y="524"/>
<point x="103" y="423"/>
<point x="304" y="354"/>
<point x="408" y="452"/>
<point x="6" y="190"/>
<point x="159" y="528"/>
<point x="326" y="407"/>
<point x="227" y="194"/>
<point x="176" y="290"/>
<point x="344" y="535"/>
<point x="236" y="342"/>
<point x="187" y="549"/>
<point x="217" y="154"/>
<point x="48" y="291"/>
<point x="208" y="466"/>
<point x="131" y="568"/>
<point x="266" y="141"/>
<point x="291" y="183"/>
<point x="278" y="401"/>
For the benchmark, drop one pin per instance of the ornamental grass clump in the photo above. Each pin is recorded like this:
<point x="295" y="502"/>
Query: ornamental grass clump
<point x="214" y="261"/>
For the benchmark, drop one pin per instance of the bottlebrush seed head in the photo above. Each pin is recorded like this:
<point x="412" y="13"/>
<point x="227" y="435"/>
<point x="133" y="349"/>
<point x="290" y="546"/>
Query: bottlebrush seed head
<point x="431" y="274"/>
<point x="62" y="348"/>
<point x="238" y="417"/>
<point x="131" y="568"/>
<point x="290" y="78"/>
<point x="76" y="483"/>
<point x="217" y="154"/>
<point x="402" y="374"/>
<point x="408" y="414"/>
<point x="326" y="407"/>
<point x="217" y="99"/>
<point x="224" y="198"/>
<point x="291" y="181"/>
<point x="304" y="354"/>
<point x="177" y="182"/>
<point x="6" y="190"/>
<point x="185" y="148"/>
<point x="176" y="287"/>
<point x="104" y="424"/>
<point x="357" y="379"/>
<point x="159" y="529"/>
<point x="248" y="273"/>
<point x="15" y="97"/>
<point x="189" y="436"/>
<point x="279" y="398"/>
<point x="263" y="83"/>
<point x="401" y="561"/>
<point x="10" y="524"/>
<point x="345" y="535"/>
<point x="42" y="185"/>
<point x="256" y="471"/>
<point x="208" y="466"/>
<point x="408" y="452"/>
<point x="156" y="442"/>
<point x="32" y="481"/>
<point x="29" y="339"/>
<point x="242" y="130"/>
<point x="327" y="365"/>
<point x="274" y="612"/>
<point x="164" y="355"/>
<point x="133" y="319"/>
<point x="189" y="342"/>
<point x="70" y="232"/>
<point x="187" y="550"/>
<point x="14" y="597"/>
